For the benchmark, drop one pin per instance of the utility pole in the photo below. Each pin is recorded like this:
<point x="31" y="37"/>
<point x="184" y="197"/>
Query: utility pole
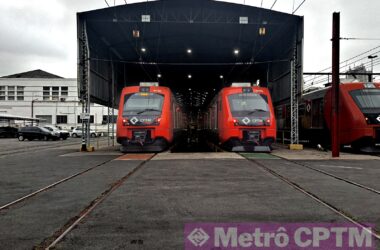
<point x="371" y="57"/>
<point x="335" y="146"/>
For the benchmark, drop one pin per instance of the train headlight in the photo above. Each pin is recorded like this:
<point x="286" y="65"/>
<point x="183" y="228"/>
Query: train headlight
<point x="267" y="122"/>
<point x="236" y="122"/>
<point x="125" y="122"/>
<point x="157" y="120"/>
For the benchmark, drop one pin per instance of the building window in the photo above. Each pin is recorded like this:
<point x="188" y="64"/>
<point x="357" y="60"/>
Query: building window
<point x="2" y="93"/>
<point x="80" y="120"/>
<point x="20" y="93"/>
<point x="47" y="119"/>
<point x="46" y="93"/>
<point x="64" y="91"/>
<point x="55" y="93"/>
<point x="11" y="93"/>
<point x="113" y="119"/>
<point x="61" y="119"/>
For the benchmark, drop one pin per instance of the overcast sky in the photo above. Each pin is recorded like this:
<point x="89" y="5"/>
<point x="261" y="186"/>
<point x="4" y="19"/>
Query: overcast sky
<point x="41" y="34"/>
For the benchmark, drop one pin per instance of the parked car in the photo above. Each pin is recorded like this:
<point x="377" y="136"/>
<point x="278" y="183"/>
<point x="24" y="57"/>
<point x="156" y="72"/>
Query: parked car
<point x="8" y="132"/>
<point x="63" y="134"/>
<point x="77" y="132"/>
<point x="39" y="133"/>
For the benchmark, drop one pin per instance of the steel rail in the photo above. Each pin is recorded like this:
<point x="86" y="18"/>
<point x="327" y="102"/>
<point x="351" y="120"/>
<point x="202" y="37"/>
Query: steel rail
<point x="51" y="242"/>
<point x="21" y="199"/>
<point x="43" y="147"/>
<point x="336" y="210"/>
<point x="333" y="176"/>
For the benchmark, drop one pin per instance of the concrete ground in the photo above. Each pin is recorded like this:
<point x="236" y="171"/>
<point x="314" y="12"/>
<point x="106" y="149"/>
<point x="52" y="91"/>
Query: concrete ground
<point x="313" y="154"/>
<point x="149" y="210"/>
<point x="154" y="204"/>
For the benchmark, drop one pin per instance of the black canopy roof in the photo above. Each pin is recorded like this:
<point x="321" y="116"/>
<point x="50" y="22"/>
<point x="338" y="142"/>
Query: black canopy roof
<point x="200" y="45"/>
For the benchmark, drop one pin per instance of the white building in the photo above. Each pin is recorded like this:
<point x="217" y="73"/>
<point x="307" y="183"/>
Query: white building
<point x="39" y="94"/>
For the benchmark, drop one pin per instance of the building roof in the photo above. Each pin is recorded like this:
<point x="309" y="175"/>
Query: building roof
<point x="33" y="74"/>
<point x="9" y="117"/>
<point x="150" y="41"/>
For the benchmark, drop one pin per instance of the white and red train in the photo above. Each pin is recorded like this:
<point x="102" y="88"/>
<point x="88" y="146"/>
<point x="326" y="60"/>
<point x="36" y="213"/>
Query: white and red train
<point x="149" y="118"/>
<point x="359" y="116"/>
<point x="241" y="118"/>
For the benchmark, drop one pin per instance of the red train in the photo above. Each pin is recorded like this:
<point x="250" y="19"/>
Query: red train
<point x="149" y="118"/>
<point x="241" y="118"/>
<point x="359" y="116"/>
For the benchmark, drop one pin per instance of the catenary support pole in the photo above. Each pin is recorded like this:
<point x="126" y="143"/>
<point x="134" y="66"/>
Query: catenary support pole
<point x="335" y="144"/>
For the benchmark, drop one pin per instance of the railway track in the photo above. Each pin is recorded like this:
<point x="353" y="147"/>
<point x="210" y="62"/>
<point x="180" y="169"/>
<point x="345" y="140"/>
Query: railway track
<point x="24" y="151"/>
<point x="314" y="197"/>
<point x="48" y="187"/>
<point x="53" y="240"/>
<point x="38" y="149"/>
<point x="334" y="176"/>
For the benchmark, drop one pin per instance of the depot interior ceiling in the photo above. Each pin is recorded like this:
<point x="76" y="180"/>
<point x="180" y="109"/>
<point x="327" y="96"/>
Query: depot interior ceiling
<point x="194" y="47"/>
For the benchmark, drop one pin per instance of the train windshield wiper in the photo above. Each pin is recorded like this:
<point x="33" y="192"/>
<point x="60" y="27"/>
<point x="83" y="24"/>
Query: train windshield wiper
<point x="147" y="110"/>
<point x="256" y="110"/>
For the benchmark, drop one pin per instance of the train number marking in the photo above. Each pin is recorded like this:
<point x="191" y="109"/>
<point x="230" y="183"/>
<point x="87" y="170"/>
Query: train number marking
<point x="134" y="120"/>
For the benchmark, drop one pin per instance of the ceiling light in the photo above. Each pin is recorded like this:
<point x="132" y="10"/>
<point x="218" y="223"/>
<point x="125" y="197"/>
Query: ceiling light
<point x="236" y="52"/>
<point x="143" y="50"/>
<point x="189" y="76"/>
<point x="159" y="76"/>
<point x="262" y="31"/>
<point x="221" y="76"/>
<point x="189" y="51"/>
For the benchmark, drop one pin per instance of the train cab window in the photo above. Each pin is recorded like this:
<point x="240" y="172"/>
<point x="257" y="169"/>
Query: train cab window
<point x="368" y="100"/>
<point x="248" y="104"/>
<point x="143" y="104"/>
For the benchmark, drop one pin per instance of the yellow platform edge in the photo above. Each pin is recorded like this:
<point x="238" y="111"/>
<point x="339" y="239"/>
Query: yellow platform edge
<point x="89" y="149"/>
<point x="296" y="147"/>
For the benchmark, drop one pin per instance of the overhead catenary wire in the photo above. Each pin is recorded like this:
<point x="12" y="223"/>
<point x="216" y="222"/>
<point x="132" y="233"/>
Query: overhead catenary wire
<point x="349" y="64"/>
<point x="360" y="38"/>
<point x="349" y="59"/>
<point x="299" y="6"/>
<point x="327" y="78"/>
<point x="343" y="68"/>
<point x="274" y="3"/>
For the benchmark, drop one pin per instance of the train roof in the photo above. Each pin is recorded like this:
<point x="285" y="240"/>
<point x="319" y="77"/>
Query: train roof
<point x="319" y="93"/>
<point x="315" y="94"/>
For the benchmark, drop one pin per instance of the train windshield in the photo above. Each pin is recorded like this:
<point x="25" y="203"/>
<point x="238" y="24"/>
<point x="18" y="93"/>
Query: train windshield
<point x="143" y="104"/>
<point x="368" y="100"/>
<point x="248" y="104"/>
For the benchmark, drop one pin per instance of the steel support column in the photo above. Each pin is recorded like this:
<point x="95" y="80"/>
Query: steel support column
<point x="294" y="132"/>
<point x="111" y="109"/>
<point x="335" y="143"/>
<point x="85" y="88"/>
<point x="113" y="104"/>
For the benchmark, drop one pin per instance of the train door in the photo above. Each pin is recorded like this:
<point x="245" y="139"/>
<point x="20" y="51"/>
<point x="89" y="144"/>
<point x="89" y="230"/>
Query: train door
<point x="317" y="113"/>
